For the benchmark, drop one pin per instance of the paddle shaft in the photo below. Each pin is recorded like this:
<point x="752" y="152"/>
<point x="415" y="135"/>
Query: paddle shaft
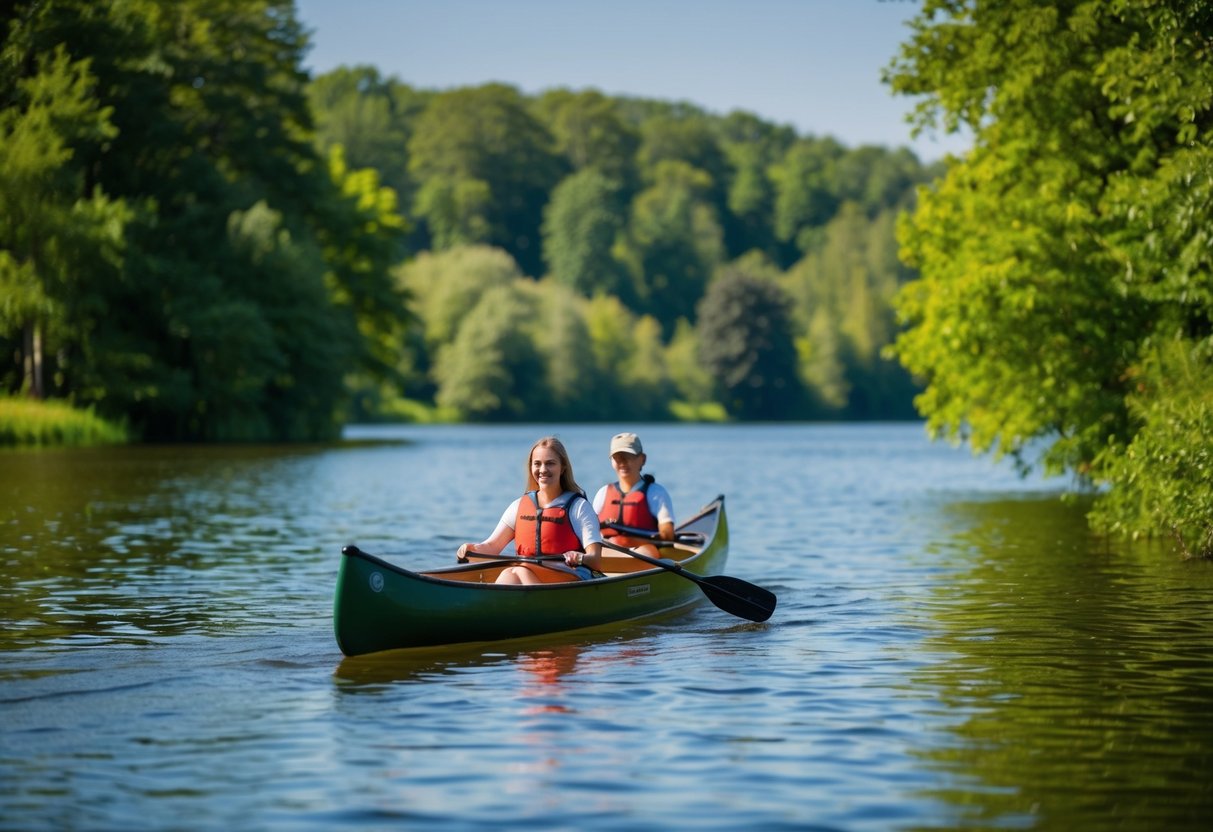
<point x="733" y="595"/>
<point x="546" y="561"/>
<point x="649" y="534"/>
<point x="515" y="558"/>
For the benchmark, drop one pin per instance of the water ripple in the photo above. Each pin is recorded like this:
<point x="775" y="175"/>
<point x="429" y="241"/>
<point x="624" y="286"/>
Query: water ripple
<point x="951" y="650"/>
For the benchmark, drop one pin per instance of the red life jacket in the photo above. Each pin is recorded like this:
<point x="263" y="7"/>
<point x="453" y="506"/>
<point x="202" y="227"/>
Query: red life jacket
<point x="545" y="532"/>
<point x="631" y="509"/>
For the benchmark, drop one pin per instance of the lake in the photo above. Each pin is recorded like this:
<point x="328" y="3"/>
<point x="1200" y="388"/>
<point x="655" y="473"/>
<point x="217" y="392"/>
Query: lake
<point x="953" y="648"/>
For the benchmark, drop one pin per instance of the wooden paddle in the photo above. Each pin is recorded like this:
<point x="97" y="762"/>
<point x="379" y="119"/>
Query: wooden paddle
<point x="733" y="595"/>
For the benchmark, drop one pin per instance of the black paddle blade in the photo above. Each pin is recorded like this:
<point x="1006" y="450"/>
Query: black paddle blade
<point x="742" y="599"/>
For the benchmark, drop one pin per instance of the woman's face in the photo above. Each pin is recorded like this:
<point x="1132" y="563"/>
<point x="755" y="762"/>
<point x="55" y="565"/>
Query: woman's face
<point x="545" y="467"/>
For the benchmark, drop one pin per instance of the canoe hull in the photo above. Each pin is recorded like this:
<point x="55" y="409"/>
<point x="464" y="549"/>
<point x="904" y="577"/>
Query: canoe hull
<point x="381" y="606"/>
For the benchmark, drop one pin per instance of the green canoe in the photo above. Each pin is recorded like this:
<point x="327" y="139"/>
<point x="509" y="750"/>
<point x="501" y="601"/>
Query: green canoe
<point x="381" y="606"/>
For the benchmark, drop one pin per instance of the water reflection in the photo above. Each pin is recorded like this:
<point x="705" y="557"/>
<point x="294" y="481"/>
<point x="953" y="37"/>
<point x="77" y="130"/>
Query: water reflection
<point x="133" y="546"/>
<point x="167" y="640"/>
<point x="1076" y="678"/>
<point x="542" y="662"/>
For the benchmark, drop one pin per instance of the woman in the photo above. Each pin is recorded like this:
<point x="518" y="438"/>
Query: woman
<point x="637" y="500"/>
<point x="553" y="517"/>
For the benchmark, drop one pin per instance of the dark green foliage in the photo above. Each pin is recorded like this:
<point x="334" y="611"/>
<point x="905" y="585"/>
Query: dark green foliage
<point x="484" y="167"/>
<point x="197" y="238"/>
<point x="745" y="341"/>
<point x="199" y="271"/>
<point x="589" y="132"/>
<point x="673" y="242"/>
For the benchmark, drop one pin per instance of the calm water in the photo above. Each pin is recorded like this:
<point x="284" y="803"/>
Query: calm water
<point x="952" y="649"/>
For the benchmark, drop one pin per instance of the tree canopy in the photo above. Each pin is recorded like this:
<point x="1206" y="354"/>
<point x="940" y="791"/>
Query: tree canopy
<point x="173" y="249"/>
<point x="1066" y="291"/>
<point x="198" y="238"/>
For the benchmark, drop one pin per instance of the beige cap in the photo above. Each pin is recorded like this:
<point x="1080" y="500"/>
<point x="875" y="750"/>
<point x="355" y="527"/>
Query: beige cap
<point x="628" y="443"/>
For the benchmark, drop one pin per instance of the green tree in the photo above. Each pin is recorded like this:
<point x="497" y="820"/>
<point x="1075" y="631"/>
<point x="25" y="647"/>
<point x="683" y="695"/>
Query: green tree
<point x="371" y="118"/>
<point x="443" y="286"/>
<point x="806" y="194"/>
<point x="589" y="132"/>
<point x="253" y="380"/>
<point x="558" y="329"/>
<point x="745" y="342"/>
<point x="237" y="253"/>
<point x="692" y="383"/>
<point x="51" y="228"/>
<point x="630" y="360"/>
<point x="1071" y="245"/>
<point x="689" y="139"/>
<point x="842" y="296"/>
<point x="673" y="243"/>
<point x="484" y="167"/>
<point x="361" y="237"/>
<point x="492" y="370"/>
<point x="751" y="147"/>
<point x="580" y="228"/>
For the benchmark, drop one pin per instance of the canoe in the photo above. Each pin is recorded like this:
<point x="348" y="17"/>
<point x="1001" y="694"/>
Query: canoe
<point x="381" y="606"/>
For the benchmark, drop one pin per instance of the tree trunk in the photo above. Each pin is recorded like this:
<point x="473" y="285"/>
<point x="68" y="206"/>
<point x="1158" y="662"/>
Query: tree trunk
<point x="32" y="360"/>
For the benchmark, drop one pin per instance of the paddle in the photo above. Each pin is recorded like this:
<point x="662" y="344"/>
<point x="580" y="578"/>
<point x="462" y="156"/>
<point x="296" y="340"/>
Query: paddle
<point x="733" y="595"/>
<point x="514" y="558"/>
<point x="649" y="534"/>
<point x="545" y="561"/>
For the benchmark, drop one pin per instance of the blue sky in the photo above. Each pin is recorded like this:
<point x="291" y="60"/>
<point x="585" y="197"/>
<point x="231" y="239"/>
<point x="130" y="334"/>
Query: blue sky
<point x="813" y="64"/>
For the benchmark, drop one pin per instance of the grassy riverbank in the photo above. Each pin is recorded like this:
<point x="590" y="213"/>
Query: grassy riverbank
<point x="25" y="422"/>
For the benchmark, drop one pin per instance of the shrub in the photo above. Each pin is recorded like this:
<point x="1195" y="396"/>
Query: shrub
<point x="30" y="422"/>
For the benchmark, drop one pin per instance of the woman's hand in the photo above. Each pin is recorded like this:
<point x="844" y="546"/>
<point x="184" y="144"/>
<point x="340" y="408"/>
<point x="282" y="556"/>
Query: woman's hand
<point x="574" y="558"/>
<point x="464" y="551"/>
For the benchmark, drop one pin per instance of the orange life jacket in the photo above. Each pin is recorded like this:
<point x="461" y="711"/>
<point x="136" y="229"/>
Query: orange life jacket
<point x="631" y="509"/>
<point x="544" y="532"/>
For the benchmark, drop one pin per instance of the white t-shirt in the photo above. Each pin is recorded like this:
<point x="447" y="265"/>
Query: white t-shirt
<point x="582" y="518"/>
<point x="660" y="504"/>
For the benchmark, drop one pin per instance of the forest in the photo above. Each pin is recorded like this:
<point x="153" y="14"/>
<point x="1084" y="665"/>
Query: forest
<point x="205" y="242"/>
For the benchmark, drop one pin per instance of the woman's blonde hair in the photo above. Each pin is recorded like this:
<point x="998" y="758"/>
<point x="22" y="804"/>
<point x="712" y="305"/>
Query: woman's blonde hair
<point x="567" y="483"/>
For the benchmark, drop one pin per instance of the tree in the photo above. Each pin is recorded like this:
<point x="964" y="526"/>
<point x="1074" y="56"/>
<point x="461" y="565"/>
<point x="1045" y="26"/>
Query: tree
<point x="1071" y="246"/>
<point x="692" y="383"/>
<point x="484" y="167"/>
<point x="806" y="195"/>
<point x="361" y="237"/>
<point x="629" y="356"/>
<point x="492" y="371"/>
<point x="51" y="228"/>
<point x="589" y="132"/>
<point x="751" y="147"/>
<point x="842" y="296"/>
<point x="215" y="279"/>
<point x="571" y="377"/>
<point x="580" y="227"/>
<point x="673" y="242"/>
<point x="745" y="342"/>
<point x="443" y="286"/>
<point x="371" y="118"/>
